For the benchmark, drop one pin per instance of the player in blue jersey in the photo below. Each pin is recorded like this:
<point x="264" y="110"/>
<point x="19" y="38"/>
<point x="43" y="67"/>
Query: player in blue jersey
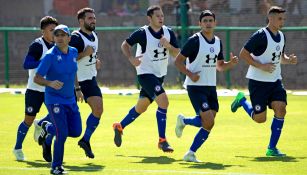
<point x="264" y="52"/>
<point x="203" y="53"/>
<point x="34" y="96"/>
<point x="155" y="43"/>
<point x="86" y="42"/>
<point x="59" y="66"/>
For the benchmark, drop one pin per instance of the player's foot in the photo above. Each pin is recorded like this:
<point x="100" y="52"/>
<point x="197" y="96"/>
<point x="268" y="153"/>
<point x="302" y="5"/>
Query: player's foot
<point x="118" y="132"/>
<point x="274" y="152"/>
<point x="190" y="157"/>
<point x="58" y="170"/>
<point x="164" y="146"/>
<point x="86" y="146"/>
<point x="37" y="130"/>
<point x="19" y="154"/>
<point x="236" y="103"/>
<point x="47" y="152"/>
<point x="179" y="125"/>
<point x="42" y="137"/>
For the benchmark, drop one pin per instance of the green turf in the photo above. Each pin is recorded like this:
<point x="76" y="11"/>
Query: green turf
<point x="237" y="145"/>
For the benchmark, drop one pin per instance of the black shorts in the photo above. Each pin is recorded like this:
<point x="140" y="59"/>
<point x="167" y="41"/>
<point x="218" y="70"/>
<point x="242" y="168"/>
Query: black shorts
<point x="263" y="93"/>
<point x="203" y="98"/>
<point x="151" y="86"/>
<point x="90" y="88"/>
<point x="33" y="102"/>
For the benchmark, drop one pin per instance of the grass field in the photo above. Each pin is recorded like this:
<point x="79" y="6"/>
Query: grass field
<point x="236" y="145"/>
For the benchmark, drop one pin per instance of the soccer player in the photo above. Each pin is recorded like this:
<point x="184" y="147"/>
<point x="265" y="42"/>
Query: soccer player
<point x="264" y="52"/>
<point x="203" y="53"/>
<point x="59" y="66"/>
<point x="155" y="43"/>
<point x="86" y="42"/>
<point x="34" y="96"/>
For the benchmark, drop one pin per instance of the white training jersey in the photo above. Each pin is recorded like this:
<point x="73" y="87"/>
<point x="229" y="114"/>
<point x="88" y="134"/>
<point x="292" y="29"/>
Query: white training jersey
<point x="87" y="65"/>
<point x="31" y="85"/>
<point x="205" y="62"/>
<point x="155" y="58"/>
<point x="272" y="54"/>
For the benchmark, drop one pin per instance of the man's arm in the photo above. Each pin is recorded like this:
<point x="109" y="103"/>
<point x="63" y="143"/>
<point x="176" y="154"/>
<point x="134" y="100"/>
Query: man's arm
<point x="291" y="59"/>
<point x="179" y="62"/>
<point x="223" y="66"/>
<point x="43" y="82"/>
<point x="126" y="49"/>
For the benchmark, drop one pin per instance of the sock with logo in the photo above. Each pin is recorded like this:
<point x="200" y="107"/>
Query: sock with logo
<point x="276" y="128"/>
<point x="21" y="134"/>
<point x="130" y="117"/>
<point x="161" y="120"/>
<point x="199" y="139"/>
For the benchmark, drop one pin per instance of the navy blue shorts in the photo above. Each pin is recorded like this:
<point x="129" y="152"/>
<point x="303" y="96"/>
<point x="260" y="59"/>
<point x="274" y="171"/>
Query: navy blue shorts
<point x="151" y="86"/>
<point x="33" y="102"/>
<point x="90" y="88"/>
<point x="203" y="98"/>
<point x="263" y="93"/>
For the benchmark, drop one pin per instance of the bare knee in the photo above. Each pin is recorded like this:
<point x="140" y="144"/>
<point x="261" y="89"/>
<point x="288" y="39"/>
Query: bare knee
<point x="259" y="118"/>
<point x="207" y="120"/>
<point x="29" y="120"/>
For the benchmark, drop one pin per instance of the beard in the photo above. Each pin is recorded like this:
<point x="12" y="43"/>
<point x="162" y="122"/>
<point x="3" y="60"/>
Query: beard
<point x="89" y="27"/>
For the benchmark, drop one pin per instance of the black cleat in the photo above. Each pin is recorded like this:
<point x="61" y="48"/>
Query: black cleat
<point x="164" y="146"/>
<point x="43" y="134"/>
<point x="58" y="170"/>
<point x="47" y="152"/>
<point x="86" y="146"/>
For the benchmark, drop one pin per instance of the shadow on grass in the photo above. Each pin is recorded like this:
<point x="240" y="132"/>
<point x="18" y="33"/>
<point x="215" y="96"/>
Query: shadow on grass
<point x="207" y="165"/>
<point x="272" y="159"/>
<point x="156" y="160"/>
<point x="89" y="167"/>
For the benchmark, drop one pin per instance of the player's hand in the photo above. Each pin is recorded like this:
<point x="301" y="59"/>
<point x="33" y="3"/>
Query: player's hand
<point x="195" y="76"/>
<point x="89" y="50"/>
<point x="164" y="42"/>
<point x="56" y="84"/>
<point x="269" y="67"/>
<point x="233" y="59"/>
<point x="292" y="59"/>
<point x="135" y="61"/>
<point x="79" y="96"/>
<point x="98" y="64"/>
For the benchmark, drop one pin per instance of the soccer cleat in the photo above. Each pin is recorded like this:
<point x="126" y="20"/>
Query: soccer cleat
<point x="19" y="154"/>
<point x="37" y="130"/>
<point x="190" y="157"/>
<point x="236" y="103"/>
<point x="179" y="125"/>
<point x="42" y="137"/>
<point x="118" y="132"/>
<point x="86" y="146"/>
<point x="274" y="152"/>
<point x="58" y="170"/>
<point x="47" y="152"/>
<point x="164" y="146"/>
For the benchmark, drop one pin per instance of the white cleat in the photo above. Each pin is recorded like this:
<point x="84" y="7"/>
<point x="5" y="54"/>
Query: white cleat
<point x="19" y="154"/>
<point x="179" y="125"/>
<point x="37" y="130"/>
<point x="190" y="157"/>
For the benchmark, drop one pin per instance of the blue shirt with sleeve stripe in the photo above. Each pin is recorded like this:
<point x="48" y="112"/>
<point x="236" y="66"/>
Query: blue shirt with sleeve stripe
<point x="62" y="67"/>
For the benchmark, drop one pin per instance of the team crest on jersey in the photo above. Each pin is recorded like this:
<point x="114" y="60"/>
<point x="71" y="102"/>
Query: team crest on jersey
<point x="277" y="48"/>
<point x="160" y="45"/>
<point x="211" y="49"/>
<point x="205" y="105"/>
<point x="30" y="109"/>
<point x="257" y="107"/>
<point x="158" y="88"/>
<point x="59" y="58"/>
<point x="56" y="109"/>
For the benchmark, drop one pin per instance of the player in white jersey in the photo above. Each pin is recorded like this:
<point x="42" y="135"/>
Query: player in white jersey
<point x="155" y="43"/>
<point x="203" y="54"/>
<point x="86" y="42"/>
<point x="34" y="96"/>
<point x="264" y="52"/>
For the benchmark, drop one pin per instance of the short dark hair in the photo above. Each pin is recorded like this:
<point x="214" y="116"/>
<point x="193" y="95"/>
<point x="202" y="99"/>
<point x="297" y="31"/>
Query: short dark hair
<point x="206" y="13"/>
<point x="47" y="20"/>
<point x="276" y="9"/>
<point x="81" y="12"/>
<point x="151" y="9"/>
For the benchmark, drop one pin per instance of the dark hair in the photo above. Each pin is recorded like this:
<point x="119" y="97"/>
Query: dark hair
<point x="206" y="13"/>
<point x="81" y="12"/>
<point x="276" y="9"/>
<point x="151" y="9"/>
<point x="45" y="21"/>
